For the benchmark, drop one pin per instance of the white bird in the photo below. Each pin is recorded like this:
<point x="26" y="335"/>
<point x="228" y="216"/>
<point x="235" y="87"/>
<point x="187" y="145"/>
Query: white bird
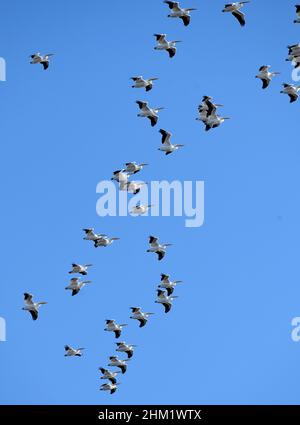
<point x="80" y="268"/>
<point x="297" y="21"/>
<point x="125" y="348"/>
<point x="112" y="326"/>
<point x="104" y="240"/>
<point x="138" y="314"/>
<point x="132" y="187"/>
<point x="72" y="352"/>
<point x="140" y="209"/>
<point x="178" y="12"/>
<point x="165" y="300"/>
<point x="159" y="249"/>
<point x="140" y="82"/>
<point x="121" y="176"/>
<point x="214" y="121"/>
<point x="107" y="374"/>
<point x="31" y="306"/>
<point x="294" y="54"/>
<point x="167" y="284"/>
<point x="292" y="91"/>
<point x="265" y="75"/>
<point x="112" y="388"/>
<point x="133" y="167"/>
<point x="76" y="285"/>
<point x="163" y="44"/>
<point x="147" y="112"/>
<point x="115" y="361"/>
<point x="167" y="147"/>
<point x="43" y="60"/>
<point x="234" y="8"/>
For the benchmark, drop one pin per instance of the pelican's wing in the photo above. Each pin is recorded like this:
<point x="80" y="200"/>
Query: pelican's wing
<point x="167" y="307"/>
<point x="161" y="255"/>
<point x="160" y="38"/>
<point x="186" y="19"/>
<point x="142" y="105"/>
<point x="153" y="240"/>
<point x="266" y="82"/>
<point x="240" y="17"/>
<point x="34" y="314"/>
<point x="166" y="136"/>
<point x="174" y="5"/>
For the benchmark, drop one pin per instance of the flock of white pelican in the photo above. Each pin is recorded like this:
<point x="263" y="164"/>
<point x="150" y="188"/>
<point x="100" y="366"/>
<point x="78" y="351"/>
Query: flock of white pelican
<point x="208" y="115"/>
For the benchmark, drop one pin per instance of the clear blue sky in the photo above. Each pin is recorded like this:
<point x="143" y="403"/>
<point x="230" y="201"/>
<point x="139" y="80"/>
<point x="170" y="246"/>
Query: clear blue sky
<point x="227" y="339"/>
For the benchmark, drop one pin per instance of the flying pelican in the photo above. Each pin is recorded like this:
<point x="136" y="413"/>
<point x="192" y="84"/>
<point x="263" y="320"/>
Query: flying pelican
<point x="159" y="249"/>
<point x="104" y="240"/>
<point x="208" y="106"/>
<point x="133" y="167"/>
<point x="110" y="387"/>
<point x="70" y="352"/>
<point x="214" y="121"/>
<point x="167" y="284"/>
<point x="107" y="374"/>
<point x="121" y="176"/>
<point x="297" y="21"/>
<point x="142" y="317"/>
<point x="81" y="269"/>
<point x="132" y="187"/>
<point x="111" y="326"/>
<point x="147" y="112"/>
<point x="292" y="91"/>
<point x="125" y="348"/>
<point x="140" y="82"/>
<point x="234" y="8"/>
<point x="167" y="147"/>
<point x="115" y="361"/>
<point x="76" y="285"/>
<point x="178" y="12"/>
<point x="43" y="60"/>
<point x="265" y="75"/>
<point x="163" y="44"/>
<point x="31" y="306"/>
<point x="165" y="300"/>
<point x="140" y="209"/>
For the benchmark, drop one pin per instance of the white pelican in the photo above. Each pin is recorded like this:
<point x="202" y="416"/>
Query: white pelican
<point x="207" y="107"/>
<point x="165" y="300"/>
<point x="76" y="285"/>
<point x="234" y="8"/>
<point x="178" y="12"/>
<point x="163" y="44"/>
<point x="142" y="317"/>
<point x="133" y="167"/>
<point x="167" y="147"/>
<point x="265" y="75"/>
<point x="104" y="240"/>
<point x="43" y="60"/>
<point x="79" y="268"/>
<point x="115" y="361"/>
<point x="159" y="249"/>
<point x="31" y="306"/>
<point x="70" y="352"/>
<point x="140" y="209"/>
<point x="214" y="121"/>
<point x="125" y="348"/>
<point x="147" y="112"/>
<point x="140" y="82"/>
<point x="292" y="91"/>
<point x="132" y="187"/>
<point x="107" y="374"/>
<point x="112" y="388"/>
<point x="112" y="326"/>
<point x="120" y="176"/>
<point x="167" y="284"/>
<point x="297" y="21"/>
